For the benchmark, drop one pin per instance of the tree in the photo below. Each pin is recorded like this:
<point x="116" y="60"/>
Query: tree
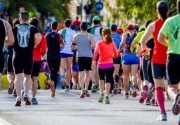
<point x="134" y="10"/>
<point x="58" y="8"/>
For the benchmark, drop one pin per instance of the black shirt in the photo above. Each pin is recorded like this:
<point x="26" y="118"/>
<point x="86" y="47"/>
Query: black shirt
<point x="24" y="51"/>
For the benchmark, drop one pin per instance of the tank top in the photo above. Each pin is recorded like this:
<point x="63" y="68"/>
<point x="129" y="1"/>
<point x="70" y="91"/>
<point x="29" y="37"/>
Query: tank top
<point x="159" y="54"/>
<point x="84" y="46"/>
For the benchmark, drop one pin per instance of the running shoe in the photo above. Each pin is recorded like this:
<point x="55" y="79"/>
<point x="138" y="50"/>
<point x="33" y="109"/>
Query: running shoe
<point x="18" y="101"/>
<point x="154" y="102"/>
<point x="87" y="93"/>
<point x="11" y="88"/>
<point x="176" y="105"/>
<point x="162" y="117"/>
<point x="94" y="88"/>
<point x="67" y="88"/>
<point x="101" y="98"/>
<point x="143" y="94"/>
<point x="106" y="100"/>
<point x="26" y="99"/>
<point x="148" y="101"/>
<point x="34" y="101"/>
<point x="126" y="95"/>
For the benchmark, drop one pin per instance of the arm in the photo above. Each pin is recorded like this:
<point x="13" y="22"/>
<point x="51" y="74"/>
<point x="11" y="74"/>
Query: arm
<point x="43" y="46"/>
<point x="96" y="52"/>
<point x="61" y="41"/>
<point x="9" y="40"/>
<point x="150" y="29"/>
<point x="74" y="40"/>
<point x="93" y="44"/>
<point x="37" y="39"/>
<point x="163" y="34"/>
<point x="115" y="55"/>
<point x="124" y="36"/>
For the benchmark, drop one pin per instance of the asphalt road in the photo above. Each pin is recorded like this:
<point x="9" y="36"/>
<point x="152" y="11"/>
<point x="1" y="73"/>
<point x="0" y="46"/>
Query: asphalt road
<point x="69" y="109"/>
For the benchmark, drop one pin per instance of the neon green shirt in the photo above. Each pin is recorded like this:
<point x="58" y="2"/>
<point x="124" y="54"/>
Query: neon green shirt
<point x="171" y="30"/>
<point x="138" y="37"/>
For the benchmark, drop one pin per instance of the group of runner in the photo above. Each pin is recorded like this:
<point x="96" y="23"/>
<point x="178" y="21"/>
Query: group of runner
<point x="141" y="59"/>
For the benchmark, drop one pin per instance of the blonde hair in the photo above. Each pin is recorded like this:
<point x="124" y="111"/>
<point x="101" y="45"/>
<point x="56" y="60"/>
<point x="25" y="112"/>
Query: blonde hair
<point x="106" y="33"/>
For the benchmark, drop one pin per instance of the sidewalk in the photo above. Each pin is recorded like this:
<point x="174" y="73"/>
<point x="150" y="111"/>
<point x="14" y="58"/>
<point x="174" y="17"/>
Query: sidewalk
<point x="69" y="109"/>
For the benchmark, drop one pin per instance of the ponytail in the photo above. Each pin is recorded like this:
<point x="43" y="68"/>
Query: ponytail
<point x="163" y="13"/>
<point x="106" y="33"/>
<point x="108" y="38"/>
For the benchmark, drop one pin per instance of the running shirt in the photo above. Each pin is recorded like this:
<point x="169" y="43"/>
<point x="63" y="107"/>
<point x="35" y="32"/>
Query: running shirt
<point x="106" y="52"/>
<point x="28" y="50"/>
<point x="53" y="40"/>
<point x="139" y="36"/>
<point x="69" y="34"/>
<point x="96" y="32"/>
<point x="171" y="30"/>
<point x="40" y="49"/>
<point x="159" y="53"/>
<point x="83" y="45"/>
<point x="127" y="48"/>
<point x="117" y="39"/>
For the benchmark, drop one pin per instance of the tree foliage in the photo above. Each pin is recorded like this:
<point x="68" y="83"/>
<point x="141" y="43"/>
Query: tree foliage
<point x="59" y="8"/>
<point x="134" y="10"/>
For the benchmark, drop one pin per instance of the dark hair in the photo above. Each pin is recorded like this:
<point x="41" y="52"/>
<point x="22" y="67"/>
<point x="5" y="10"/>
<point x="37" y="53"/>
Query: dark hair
<point x="24" y="15"/>
<point x="163" y="7"/>
<point x="147" y="23"/>
<point x="34" y="22"/>
<point x="136" y="27"/>
<point x="178" y="6"/>
<point x="54" y="25"/>
<point x="114" y="27"/>
<point x="83" y="26"/>
<point x="106" y="33"/>
<point x="67" y="23"/>
<point x="96" y="22"/>
<point x="15" y="22"/>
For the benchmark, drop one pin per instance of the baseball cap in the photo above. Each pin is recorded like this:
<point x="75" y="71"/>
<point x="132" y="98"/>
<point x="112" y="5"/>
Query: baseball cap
<point x="162" y="5"/>
<point x="130" y="26"/>
<point x="120" y="30"/>
<point x="96" y="18"/>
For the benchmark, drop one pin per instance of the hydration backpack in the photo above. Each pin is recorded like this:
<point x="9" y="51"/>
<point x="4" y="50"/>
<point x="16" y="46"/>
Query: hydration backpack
<point x="23" y="35"/>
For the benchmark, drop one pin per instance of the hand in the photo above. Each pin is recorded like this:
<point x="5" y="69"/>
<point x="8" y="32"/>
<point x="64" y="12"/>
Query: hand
<point x="94" y="63"/>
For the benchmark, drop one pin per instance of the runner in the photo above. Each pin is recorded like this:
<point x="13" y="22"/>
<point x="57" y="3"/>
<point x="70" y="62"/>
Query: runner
<point x="159" y="56"/>
<point x="54" y="42"/>
<point x="38" y="53"/>
<point x="66" y="54"/>
<point x="26" y="39"/>
<point x="117" y="61"/>
<point x="105" y="63"/>
<point x="10" y="71"/>
<point x="170" y="32"/>
<point x="7" y="39"/>
<point x="95" y="30"/>
<point x="130" y="60"/>
<point x="84" y="42"/>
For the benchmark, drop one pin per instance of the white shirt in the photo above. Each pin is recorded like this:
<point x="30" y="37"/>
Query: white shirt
<point x="67" y="41"/>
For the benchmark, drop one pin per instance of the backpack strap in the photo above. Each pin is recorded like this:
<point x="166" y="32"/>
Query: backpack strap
<point x="92" y="30"/>
<point x="63" y="33"/>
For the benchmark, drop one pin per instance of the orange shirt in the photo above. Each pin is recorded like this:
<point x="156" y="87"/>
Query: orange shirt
<point x="159" y="54"/>
<point x="106" y="52"/>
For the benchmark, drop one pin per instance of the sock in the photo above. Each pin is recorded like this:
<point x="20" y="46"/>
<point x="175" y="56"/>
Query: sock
<point x="160" y="99"/>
